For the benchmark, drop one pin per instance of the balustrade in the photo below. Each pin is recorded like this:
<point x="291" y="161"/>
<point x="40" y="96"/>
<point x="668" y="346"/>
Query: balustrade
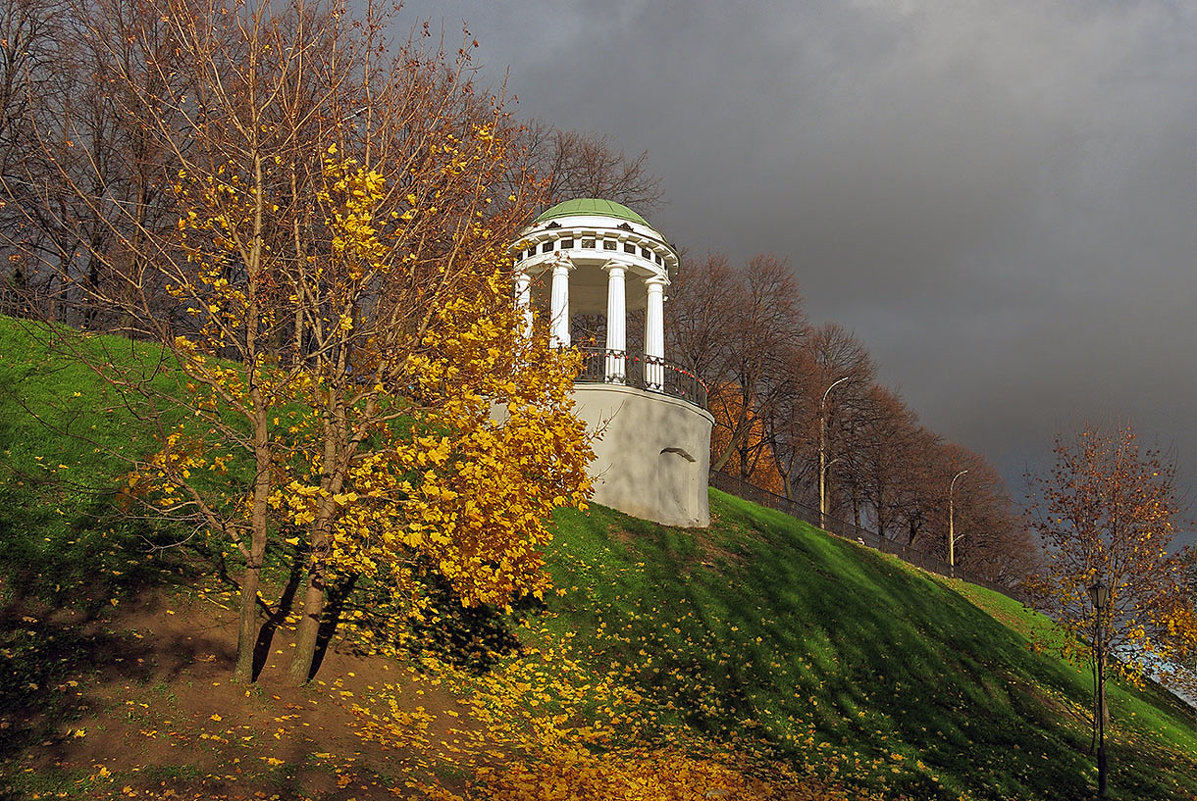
<point x="652" y="373"/>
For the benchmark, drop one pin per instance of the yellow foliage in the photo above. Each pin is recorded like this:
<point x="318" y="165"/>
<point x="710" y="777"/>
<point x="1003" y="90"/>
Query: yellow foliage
<point x="463" y="470"/>
<point x="1107" y="515"/>
<point x="663" y="774"/>
<point x="421" y="433"/>
<point x="544" y="725"/>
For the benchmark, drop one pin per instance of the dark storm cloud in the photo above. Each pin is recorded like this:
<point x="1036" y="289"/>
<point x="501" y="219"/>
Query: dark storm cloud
<point x="998" y="196"/>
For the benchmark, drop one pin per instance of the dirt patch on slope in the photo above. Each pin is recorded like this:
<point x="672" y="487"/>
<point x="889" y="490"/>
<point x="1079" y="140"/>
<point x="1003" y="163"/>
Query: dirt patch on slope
<point x="155" y="714"/>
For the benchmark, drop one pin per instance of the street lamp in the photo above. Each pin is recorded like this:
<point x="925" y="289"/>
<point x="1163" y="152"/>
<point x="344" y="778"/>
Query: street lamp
<point x="823" y="453"/>
<point x="952" y="522"/>
<point x="1099" y="594"/>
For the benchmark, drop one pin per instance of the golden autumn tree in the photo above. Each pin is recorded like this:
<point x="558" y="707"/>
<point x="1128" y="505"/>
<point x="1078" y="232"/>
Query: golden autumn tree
<point x="433" y="433"/>
<point x="333" y="296"/>
<point x="1106" y="513"/>
<point x="751" y="458"/>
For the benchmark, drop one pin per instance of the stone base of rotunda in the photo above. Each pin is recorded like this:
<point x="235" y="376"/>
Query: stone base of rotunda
<point x="653" y="453"/>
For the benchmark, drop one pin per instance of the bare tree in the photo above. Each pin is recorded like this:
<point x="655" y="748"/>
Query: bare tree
<point x="573" y="164"/>
<point x="738" y="329"/>
<point x="34" y="73"/>
<point x="699" y="313"/>
<point x="892" y="449"/>
<point x="830" y="357"/>
<point x="992" y="541"/>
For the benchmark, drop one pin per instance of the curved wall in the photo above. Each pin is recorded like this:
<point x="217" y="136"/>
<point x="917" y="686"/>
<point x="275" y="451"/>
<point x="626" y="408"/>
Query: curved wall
<point x="652" y="455"/>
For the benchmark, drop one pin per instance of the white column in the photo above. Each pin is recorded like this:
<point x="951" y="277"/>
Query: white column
<point x="654" y="332"/>
<point x="617" y="339"/>
<point x="523" y="299"/>
<point x="559" y="304"/>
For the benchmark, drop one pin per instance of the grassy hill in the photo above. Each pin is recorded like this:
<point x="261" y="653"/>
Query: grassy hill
<point x="805" y="649"/>
<point x="904" y="680"/>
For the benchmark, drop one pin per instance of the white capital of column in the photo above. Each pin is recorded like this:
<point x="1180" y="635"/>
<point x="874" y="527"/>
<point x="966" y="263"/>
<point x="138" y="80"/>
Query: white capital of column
<point x="523" y="299"/>
<point x="559" y="303"/>
<point x="616" y="322"/>
<point x="654" y="332"/>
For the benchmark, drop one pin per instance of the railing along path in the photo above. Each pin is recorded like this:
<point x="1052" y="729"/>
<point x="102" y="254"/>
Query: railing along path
<point x="849" y="531"/>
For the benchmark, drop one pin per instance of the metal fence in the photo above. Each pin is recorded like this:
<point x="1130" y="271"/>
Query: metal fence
<point x="602" y="366"/>
<point x="849" y="531"/>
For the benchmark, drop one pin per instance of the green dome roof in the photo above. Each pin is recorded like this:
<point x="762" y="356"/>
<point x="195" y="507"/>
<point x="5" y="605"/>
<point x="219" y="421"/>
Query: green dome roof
<point x="592" y="206"/>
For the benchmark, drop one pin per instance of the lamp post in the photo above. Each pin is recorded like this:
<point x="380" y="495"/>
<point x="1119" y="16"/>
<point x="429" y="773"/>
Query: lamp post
<point x="1099" y="594"/>
<point x="823" y="453"/>
<point x="952" y="522"/>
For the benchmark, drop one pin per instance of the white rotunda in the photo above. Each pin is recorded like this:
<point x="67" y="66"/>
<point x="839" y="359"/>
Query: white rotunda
<point x="597" y="257"/>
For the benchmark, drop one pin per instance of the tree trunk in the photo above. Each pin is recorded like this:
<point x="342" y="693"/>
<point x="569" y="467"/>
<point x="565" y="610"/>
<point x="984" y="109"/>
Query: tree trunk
<point x="787" y="483"/>
<point x="1096" y="711"/>
<point x="316" y="594"/>
<point x="309" y="624"/>
<point x="247" y="629"/>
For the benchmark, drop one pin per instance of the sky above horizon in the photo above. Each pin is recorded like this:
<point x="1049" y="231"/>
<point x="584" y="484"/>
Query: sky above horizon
<point x="999" y="197"/>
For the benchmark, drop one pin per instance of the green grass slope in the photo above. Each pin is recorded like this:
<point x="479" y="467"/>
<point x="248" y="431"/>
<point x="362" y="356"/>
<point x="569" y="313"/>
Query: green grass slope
<point x="68" y="558"/>
<point x="821" y="652"/>
<point x="66" y="438"/>
<point x="853" y="662"/>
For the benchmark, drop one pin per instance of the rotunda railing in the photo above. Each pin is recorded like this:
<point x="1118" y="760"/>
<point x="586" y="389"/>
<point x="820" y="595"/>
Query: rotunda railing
<point x="602" y="366"/>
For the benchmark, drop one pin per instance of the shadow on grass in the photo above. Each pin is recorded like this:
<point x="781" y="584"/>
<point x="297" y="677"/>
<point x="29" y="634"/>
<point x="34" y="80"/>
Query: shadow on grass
<point x="49" y="658"/>
<point x="471" y="638"/>
<point x="79" y="558"/>
<point x="276" y="617"/>
<point x="807" y="643"/>
<point x="67" y="557"/>
<point x="338" y="597"/>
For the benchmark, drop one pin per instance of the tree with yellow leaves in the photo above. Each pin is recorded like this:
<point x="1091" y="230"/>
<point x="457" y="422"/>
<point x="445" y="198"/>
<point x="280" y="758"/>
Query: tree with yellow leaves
<point x="1106" y="514"/>
<point x="334" y="294"/>
<point x="433" y="434"/>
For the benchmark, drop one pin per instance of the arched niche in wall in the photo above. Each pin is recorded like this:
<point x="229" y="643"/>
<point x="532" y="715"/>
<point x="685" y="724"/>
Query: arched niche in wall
<point x="676" y="477"/>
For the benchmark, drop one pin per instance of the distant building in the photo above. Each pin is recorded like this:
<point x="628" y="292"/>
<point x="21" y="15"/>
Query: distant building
<point x="596" y="257"/>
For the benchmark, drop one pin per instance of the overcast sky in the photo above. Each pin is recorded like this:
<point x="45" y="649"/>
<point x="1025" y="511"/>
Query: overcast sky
<point x="998" y="196"/>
